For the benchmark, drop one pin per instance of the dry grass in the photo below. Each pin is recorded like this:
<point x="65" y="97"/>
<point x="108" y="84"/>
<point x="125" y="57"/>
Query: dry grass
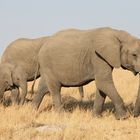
<point x="20" y="123"/>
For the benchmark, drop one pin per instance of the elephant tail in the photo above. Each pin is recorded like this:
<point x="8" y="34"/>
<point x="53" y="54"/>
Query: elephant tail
<point x="35" y="77"/>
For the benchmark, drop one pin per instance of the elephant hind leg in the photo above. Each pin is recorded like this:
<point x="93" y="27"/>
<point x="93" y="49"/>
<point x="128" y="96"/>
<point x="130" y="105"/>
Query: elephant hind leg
<point x="81" y="91"/>
<point x="54" y="87"/>
<point x="42" y="90"/>
<point x="99" y="102"/>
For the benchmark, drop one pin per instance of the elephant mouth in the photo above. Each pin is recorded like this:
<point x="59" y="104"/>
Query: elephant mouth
<point x="135" y="73"/>
<point x="131" y="68"/>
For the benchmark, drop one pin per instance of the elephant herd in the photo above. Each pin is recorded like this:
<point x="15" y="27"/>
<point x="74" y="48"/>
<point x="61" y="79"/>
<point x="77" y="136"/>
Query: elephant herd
<point x="71" y="58"/>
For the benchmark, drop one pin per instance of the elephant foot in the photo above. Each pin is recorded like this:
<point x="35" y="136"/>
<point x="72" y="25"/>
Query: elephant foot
<point x="122" y="114"/>
<point x="21" y="103"/>
<point x="59" y="109"/>
<point x="136" y="112"/>
<point x="7" y="102"/>
<point x="81" y="99"/>
<point x="34" y="106"/>
<point x="96" y="114"/>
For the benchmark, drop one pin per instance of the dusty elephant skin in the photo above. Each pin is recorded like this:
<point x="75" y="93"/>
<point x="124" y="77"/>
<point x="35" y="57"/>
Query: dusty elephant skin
<point x="76" y="57"/>
<point x="19" y="64"/>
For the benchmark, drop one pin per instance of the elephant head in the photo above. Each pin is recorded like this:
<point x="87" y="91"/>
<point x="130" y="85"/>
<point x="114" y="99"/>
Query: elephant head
<point x="121" y="50"/>
<point x="130" y="55"/>
<point x="5" y="79"/>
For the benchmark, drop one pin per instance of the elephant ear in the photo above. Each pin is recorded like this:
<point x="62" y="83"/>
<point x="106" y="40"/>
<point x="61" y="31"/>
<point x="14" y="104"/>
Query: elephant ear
<point x="10" y="81"/>
<point x="110" y="53"/>
<point x="8" y="75"/>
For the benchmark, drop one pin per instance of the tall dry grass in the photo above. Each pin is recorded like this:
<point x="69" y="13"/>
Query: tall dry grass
<point x="20" y="123"/>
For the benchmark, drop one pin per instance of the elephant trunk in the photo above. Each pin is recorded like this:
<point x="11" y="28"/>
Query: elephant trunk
<point x="131" y="69"/>
<point x="137" y="103"/>
<point x="1" y="95"/>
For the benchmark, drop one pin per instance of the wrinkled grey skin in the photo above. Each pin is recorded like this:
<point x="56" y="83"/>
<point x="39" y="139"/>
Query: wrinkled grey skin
<point x="76" y="57"/>
<point x="19" y="65"/>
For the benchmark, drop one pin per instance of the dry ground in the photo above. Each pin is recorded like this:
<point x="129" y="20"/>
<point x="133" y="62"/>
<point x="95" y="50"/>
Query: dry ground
<point x="23" y="123"/>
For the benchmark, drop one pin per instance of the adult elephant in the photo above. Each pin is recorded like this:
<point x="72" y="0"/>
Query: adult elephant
<point x="76" y="57"/>
<point x="19" y="64"/>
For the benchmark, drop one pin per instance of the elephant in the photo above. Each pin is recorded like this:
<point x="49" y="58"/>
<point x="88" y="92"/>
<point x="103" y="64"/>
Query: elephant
<point x="19" y="64"/>
<point x="74" y="57"/>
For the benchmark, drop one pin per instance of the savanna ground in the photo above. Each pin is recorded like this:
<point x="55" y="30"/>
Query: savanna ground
<point x="23" y="123"/>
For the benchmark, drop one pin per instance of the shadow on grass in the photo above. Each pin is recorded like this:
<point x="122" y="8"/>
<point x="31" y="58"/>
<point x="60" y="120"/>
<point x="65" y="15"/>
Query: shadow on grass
<point x="70" y="104"/>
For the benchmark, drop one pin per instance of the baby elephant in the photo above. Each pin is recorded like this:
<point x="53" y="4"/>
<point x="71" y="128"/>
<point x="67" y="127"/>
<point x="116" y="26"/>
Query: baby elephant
<point x="19" y="64"/>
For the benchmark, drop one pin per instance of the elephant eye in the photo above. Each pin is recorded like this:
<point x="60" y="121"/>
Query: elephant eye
<point x="134" y="55"/>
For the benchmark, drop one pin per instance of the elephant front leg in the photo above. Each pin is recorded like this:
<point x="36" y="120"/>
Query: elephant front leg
<point x="110" y="90"/>
<point x="104" y="82"/>
<point x="20" y="80"/>
<point x="98" y="103"/>
<point x="137" y="104"/>
<point x="15" y="96"/>
<point x="23" y="86"/>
